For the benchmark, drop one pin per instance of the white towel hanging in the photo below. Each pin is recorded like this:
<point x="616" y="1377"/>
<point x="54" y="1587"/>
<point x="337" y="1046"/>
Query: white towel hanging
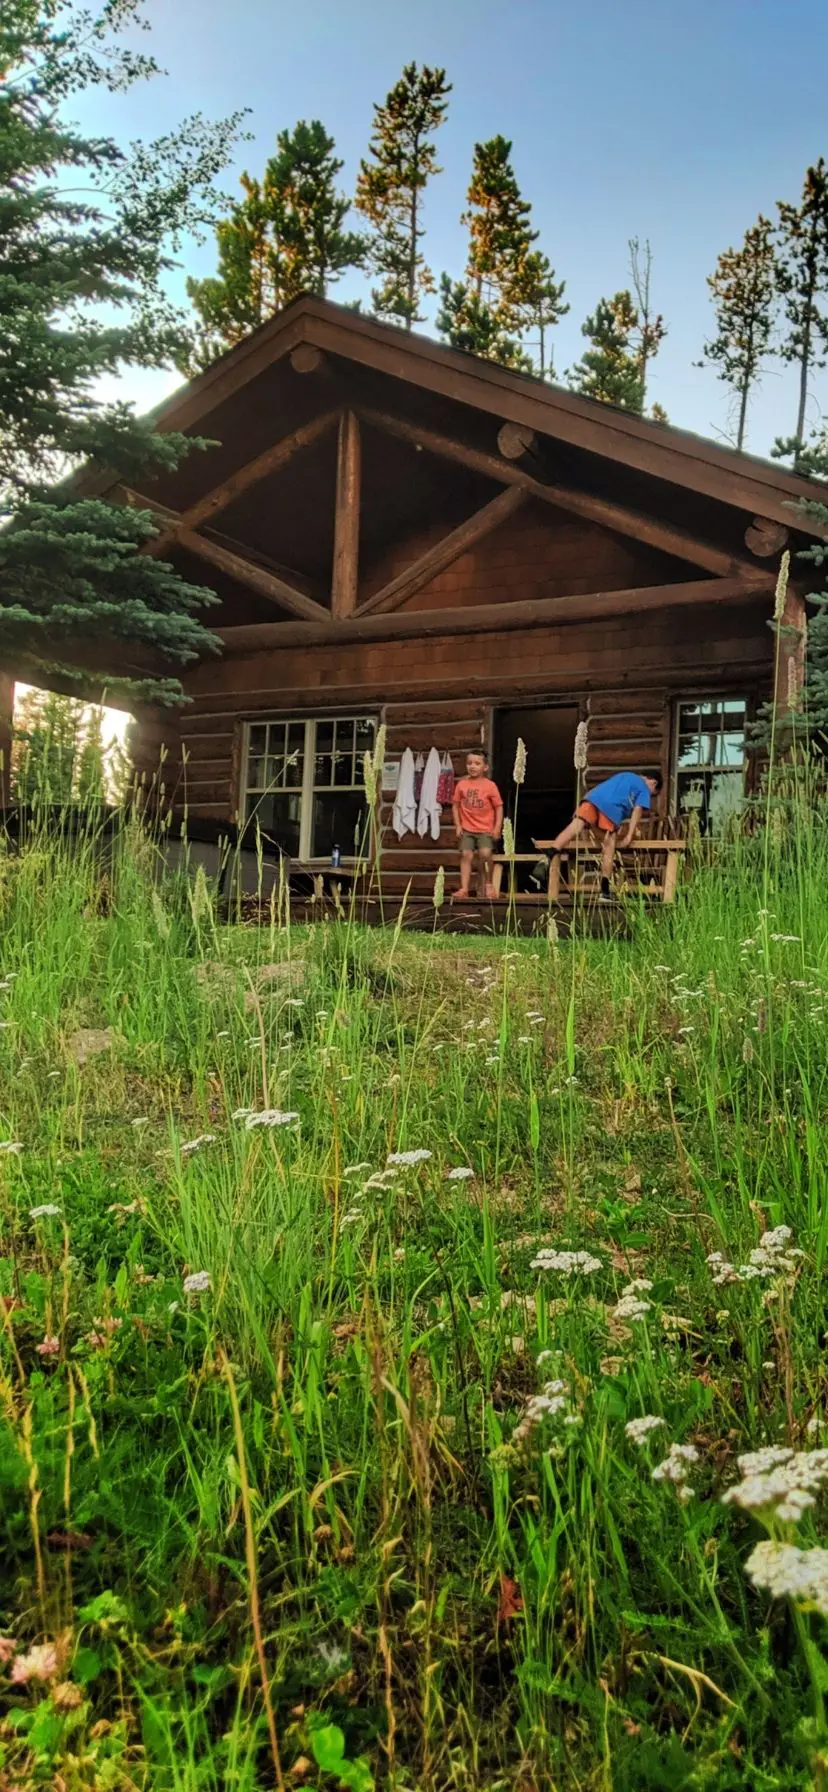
<point x="429" y="814"/>
<point x="404" y="816"/>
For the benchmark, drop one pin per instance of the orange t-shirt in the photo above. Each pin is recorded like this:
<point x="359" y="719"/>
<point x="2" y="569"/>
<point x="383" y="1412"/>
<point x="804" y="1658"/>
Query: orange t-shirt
<point x="477" y="801"/>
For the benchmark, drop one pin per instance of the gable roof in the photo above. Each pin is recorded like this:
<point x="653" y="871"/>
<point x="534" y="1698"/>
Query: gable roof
<point x="677" y="456"/>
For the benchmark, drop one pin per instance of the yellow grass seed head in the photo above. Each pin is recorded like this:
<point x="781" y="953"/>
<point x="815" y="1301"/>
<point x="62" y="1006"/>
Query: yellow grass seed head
<point x="782" y="587"/>
<point x="581" y="753"/>
<point x="508" y="837"/>
<point x="439" y="887"/>
<point x="519" y="772"/>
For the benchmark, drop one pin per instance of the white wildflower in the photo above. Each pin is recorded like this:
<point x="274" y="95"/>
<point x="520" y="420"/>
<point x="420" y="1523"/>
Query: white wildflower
<point x="12" y="1147"/>
<point x="204" y="1138"/>
<point x="334" y="1657"/>
<point x="406" y="1159"/>
<point x="638" y="1430"/>
<point x="780" y="1480"/>
<point x="567" y="1263"/>
<point x="462" y="1173"/>
<point x="630" y="1307"/>
<point x="241" y="1113"/>
<point x="198" y="1283"/>
<point x="355" y="1169"/>
<point x="269" y="1117"/>
<point x="350" y="1218"/>
<point x="787" y="1572"/>
<point x="47" y="1211"/>
<point x="675" y="1467"/>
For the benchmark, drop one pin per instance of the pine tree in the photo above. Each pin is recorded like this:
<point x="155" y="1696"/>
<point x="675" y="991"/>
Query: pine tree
<point x="624" y="341"/>
<point x="509" y="286"/>
<point x="610" y="370"/>
<point x="744" y="290"/>
<point x="650" y="326"/>
<point x="284" y="237"/>
<point x="247" y="288"/>
<point x="90" y="770"/>
<point x="84" y="229"/>
<point x="802" y="277"/>
<point x="468" y="323"/>
<point x="390" y="185"/>
<point x="537" y="298"/>
<point x="47" y="738"/>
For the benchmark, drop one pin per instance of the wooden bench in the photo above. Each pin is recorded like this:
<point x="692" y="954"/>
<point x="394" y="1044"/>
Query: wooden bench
<point x="660" y="859"/>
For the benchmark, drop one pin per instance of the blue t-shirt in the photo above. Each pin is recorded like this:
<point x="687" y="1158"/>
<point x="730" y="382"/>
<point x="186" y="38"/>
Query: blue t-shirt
<point x="617" y="797"/>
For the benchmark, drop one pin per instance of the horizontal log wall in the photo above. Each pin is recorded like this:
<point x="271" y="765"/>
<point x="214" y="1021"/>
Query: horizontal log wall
<point x="623" y="674"/>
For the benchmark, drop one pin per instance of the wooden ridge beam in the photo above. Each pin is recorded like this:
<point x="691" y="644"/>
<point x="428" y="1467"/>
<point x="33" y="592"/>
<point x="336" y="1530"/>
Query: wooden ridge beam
<point x="476" y="619"/>
<point x="271" y="461"/>
<point x="257" y="578"/>
<point x="345" y="578"/>
<point x="620" y="517"/>
<point x="443" y="552"/>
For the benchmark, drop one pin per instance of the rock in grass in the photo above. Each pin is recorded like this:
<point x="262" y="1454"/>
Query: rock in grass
<point x="89" y="1042"/>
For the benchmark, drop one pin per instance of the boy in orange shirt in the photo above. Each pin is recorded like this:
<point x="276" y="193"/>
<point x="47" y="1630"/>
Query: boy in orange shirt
<point x="478" y="819"/>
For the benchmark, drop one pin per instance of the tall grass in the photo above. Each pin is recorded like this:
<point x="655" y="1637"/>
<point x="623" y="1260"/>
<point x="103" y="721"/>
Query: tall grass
<point x="311" y="1525"/>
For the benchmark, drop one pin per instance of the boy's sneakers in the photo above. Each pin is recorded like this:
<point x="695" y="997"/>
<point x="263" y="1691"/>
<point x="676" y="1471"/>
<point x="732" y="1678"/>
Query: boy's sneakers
<point x="605" y="893"/>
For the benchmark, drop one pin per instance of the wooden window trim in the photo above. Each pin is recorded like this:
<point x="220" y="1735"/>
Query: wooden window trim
<point x="703" y="694"/>
<point x="307" y="719"/>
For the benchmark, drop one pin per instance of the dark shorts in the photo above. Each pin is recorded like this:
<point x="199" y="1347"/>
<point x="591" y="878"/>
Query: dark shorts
<point x="476" y="843"/>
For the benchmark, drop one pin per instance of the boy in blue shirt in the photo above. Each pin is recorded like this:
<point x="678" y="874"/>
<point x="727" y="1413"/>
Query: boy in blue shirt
<point x="622" y="798"/>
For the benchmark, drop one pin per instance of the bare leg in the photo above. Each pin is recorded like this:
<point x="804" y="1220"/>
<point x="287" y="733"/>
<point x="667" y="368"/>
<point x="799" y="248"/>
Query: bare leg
<point x="465" y="876"/>
<point x="569" y="833"/>
<point x="572" y="831"/>
<point x="608" y="855"/>
<point x="486" y="868"/>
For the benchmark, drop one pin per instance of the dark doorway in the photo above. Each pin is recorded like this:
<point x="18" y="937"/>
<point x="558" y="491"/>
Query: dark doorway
<point x="545" y="801"/>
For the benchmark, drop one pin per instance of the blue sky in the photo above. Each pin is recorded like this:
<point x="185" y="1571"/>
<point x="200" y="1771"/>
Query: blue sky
<point x="673" y="120"/>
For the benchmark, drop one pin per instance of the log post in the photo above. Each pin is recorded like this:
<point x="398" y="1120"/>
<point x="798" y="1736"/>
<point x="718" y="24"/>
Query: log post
<point x="345" y="579"/>
<point x="6" y="733"/>
<point x="789" y="668"/>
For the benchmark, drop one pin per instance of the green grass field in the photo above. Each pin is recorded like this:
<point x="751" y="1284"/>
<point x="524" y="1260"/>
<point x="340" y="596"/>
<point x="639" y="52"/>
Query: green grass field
<point x="312" y="1474"/>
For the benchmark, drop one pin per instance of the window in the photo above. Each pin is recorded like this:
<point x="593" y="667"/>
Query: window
<point x="711" y="757"/>
<point x="303" y="783"/>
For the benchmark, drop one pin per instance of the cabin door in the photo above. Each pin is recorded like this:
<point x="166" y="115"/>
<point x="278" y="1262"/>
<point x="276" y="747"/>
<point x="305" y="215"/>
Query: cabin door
<point x="547" y="797"/>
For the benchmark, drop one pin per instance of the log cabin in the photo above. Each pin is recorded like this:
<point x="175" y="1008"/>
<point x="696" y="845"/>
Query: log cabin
<point x="400" y="533"/>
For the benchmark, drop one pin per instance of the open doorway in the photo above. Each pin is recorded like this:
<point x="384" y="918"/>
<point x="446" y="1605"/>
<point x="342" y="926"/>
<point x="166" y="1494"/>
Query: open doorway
<point x="547" y="797"/>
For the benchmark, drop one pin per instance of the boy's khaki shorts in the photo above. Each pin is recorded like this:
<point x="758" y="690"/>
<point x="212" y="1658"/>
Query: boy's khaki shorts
<point x="476" y="843"/>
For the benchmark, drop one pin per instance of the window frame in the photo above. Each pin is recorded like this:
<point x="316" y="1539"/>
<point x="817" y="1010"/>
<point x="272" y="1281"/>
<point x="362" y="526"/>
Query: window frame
<point x="688" y="699"/>
<point x="308" y="788"/>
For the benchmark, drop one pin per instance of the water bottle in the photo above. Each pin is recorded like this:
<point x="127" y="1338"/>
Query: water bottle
<point x="336" y="858"/>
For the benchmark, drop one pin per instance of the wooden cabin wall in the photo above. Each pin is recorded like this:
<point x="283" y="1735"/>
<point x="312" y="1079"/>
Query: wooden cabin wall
<point x="623" y="673"/>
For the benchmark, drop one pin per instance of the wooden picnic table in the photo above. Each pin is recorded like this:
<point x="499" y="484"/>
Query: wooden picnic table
<point x="632" y="858"/>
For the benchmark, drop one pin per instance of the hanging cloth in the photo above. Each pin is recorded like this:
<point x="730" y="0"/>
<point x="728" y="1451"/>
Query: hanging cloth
<point x="419" y="766"/>
<point x="429" y="813"/>
<point x="404" y="815"/>
<point x="445" y="787"/>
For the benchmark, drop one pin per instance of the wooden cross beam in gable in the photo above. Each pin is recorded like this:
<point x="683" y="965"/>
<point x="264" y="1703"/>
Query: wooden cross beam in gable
<point x="271" y="461"/>
<point x="442" y="553"/>
<point x="508" y="471"/>
<point x="227" y="558"/>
